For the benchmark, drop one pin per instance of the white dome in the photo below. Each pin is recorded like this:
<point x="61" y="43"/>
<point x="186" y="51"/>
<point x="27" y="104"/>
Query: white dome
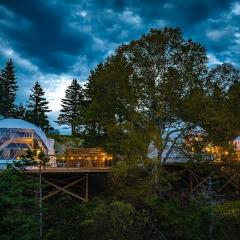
<point x="21" y="124"/>
<point x="236" y="139"/>
<point x="236" y="143"/>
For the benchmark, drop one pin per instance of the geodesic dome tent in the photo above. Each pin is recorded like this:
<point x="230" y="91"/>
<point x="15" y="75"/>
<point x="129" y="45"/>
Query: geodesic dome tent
<point x="16" y="136"/>
<point x="236" y="143"/>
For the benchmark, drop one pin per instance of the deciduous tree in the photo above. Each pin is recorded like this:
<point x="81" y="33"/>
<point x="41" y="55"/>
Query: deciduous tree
<point x="137" y="95"/>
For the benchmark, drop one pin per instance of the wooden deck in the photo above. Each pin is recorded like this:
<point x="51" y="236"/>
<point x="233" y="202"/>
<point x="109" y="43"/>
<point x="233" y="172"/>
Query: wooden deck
<point x="70" y="170"/>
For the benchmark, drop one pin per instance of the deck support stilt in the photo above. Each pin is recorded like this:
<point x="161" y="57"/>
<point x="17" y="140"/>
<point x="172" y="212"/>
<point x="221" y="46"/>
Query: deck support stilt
<point x="82" y="180"/>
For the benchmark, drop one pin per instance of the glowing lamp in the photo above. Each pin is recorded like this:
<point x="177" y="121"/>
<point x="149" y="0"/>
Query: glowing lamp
<point x="208" y="149"/>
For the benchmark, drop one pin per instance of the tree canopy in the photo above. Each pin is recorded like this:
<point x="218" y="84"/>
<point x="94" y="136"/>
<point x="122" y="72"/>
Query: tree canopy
<point x="139" y="92"/>
<point x="8" y="88"/>
<point x="37" y="108"/>
<point x="72" y="111"/>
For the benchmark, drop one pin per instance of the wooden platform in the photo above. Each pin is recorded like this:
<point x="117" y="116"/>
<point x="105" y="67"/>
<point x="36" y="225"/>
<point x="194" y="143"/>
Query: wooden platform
<point x="70" y="170"/>
<point x="71" y="179"/>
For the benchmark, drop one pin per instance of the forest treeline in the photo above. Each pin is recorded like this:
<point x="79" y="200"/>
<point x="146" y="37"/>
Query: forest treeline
<point x="36" y="106"/>
<point x="158" y="89"/>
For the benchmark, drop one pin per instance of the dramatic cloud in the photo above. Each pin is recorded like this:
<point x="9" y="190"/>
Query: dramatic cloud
<point x="53" y="41"/>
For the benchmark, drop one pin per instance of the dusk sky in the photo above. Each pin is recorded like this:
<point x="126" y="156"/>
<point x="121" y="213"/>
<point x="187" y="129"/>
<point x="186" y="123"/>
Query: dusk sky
<point x="53" y="41"/>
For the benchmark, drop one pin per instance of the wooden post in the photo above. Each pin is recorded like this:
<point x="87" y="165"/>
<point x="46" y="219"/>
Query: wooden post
<point x="40" y="203"/>
<point x="67" y="161"/>
<point x="87" y="187"/>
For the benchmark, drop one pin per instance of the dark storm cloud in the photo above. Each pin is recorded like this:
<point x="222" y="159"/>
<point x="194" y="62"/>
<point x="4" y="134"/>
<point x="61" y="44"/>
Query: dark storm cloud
<point x="54" y="34"/>
<point x="46" y="35"/>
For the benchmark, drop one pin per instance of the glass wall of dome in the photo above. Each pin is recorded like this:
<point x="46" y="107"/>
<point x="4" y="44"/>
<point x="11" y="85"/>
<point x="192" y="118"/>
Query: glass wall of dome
<point x="17" y="136"/>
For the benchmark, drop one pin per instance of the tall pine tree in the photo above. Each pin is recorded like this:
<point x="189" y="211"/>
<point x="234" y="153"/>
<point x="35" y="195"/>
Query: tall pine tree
<point x="72" y="106"/>
<point x="8" y="88"/>
<point x="37" y="108"/>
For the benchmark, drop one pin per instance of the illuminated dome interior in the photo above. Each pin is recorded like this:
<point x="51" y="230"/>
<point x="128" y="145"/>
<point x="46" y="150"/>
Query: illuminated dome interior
<point x="17" y="135"/>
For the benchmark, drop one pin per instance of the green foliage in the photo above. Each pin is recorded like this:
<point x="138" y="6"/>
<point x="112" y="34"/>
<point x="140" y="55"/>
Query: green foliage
<point x="131" y="183"/>
<point x="116" y="221"/>
<point x="65" y="219"/>
<point x="18" y="212"/>
<point x="26" y="160"/>
<point x="229" y="212"/>
<point x="138" y="93"/>
<point x="42" y="159"/>
<point x="72" y="107"/>
<point x="8" y="88"/>
<point x="159" y="89"/>
<point x="134" y="182"/>
<point x="220" y="109"/>
<point x="20" y="112"/>
<point x="37" y="108"/>
<point x="62" y="142"/>
<point x="129" y="209"/>
<point x="30" y="159"/>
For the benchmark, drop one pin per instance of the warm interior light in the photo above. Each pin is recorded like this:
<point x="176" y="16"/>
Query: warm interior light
<point x="208" y="149"/>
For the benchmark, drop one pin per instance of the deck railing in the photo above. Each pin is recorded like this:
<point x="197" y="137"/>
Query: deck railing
<point x="83" y="158"/>
<point x="82" y="164"/>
